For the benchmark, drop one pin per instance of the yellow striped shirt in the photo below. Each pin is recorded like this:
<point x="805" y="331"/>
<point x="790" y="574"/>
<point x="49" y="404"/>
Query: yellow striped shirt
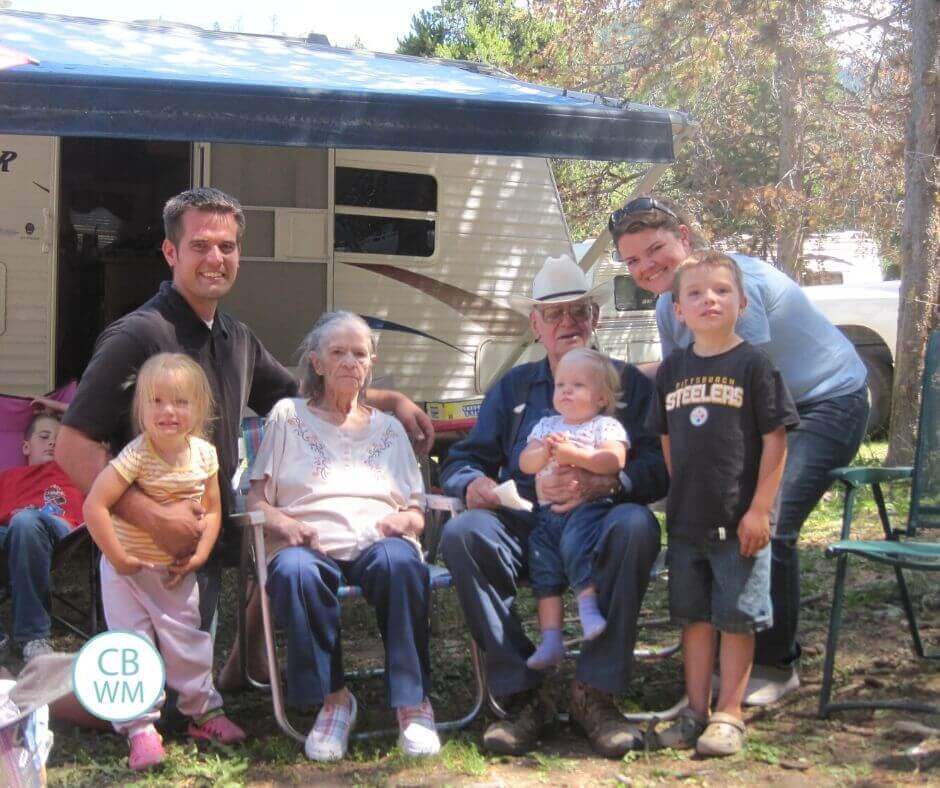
<point x="140" y="464"/>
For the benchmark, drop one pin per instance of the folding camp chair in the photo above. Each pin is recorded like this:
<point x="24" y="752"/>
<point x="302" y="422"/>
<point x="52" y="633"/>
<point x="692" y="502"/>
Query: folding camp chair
<point x="15" y="415"/>
<point x="254" y="563"/>
<point x="63" y="554"/>
<point x="901" y="548"/>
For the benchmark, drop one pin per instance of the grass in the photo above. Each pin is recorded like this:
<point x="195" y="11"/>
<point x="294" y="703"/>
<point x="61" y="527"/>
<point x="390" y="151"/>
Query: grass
<point x="786" y="742"/>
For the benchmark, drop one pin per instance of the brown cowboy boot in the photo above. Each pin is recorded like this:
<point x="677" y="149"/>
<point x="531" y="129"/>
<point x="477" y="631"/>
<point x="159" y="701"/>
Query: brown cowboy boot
<point x="596" y="715"/>
<point x="530" y="714"/>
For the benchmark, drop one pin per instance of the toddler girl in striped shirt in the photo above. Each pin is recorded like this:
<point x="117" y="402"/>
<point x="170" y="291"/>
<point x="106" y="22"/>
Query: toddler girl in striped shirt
<point x="144" y="589"/>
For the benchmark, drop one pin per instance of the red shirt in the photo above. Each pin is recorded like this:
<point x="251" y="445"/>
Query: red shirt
<point x="44" y="486"/>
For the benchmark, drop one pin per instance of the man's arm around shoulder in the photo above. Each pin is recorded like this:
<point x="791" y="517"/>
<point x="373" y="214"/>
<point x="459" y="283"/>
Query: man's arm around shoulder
<point x="174" y="527"/>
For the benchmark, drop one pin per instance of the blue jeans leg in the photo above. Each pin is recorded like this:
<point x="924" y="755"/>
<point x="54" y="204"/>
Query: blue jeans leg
<point x="546" y="568"/>
<point x="29" y="541"/>
<point x="396" y="582"/>
<point x="628" y="546"/>
<point x="827" y="437"/>
<point x="302" y="585"/>
<point x="486" y="553"/>
<point x="578" y="542"/>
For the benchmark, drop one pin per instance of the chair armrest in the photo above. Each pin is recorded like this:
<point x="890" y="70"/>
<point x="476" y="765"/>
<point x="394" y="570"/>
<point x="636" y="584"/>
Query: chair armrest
<point x="857" y="476"/>
<point x="245" y="519"/>
<point x="439" y="508"/>
<point x="443" y="503"/>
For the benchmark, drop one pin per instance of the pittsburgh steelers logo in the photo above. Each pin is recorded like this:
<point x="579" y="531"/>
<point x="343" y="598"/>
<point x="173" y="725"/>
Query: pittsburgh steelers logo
<point x="698" y="416"/>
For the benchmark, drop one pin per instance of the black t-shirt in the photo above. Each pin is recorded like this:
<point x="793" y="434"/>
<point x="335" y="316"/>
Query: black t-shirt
<point x="715" y="410"/>
<point x="240" y="371"/>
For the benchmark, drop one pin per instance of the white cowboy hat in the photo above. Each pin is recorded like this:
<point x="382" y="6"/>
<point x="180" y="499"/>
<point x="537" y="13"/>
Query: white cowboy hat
<point x="561" y="280"/>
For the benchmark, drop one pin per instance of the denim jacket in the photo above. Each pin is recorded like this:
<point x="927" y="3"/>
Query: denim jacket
<point x="491" y="450"/>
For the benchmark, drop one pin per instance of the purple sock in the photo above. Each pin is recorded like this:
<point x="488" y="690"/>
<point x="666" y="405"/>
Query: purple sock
<point x="592" y="622"/>
<point x="551" y="651"/>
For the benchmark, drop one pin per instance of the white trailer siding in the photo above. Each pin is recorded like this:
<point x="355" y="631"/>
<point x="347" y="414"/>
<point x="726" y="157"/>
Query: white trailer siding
<point x="27" y="273"/>
<point x="497" y="220"/>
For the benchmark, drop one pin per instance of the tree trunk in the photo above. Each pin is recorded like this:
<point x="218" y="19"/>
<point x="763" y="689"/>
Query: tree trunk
<point x="790" y="184"/>
<point x="920" y="233"/>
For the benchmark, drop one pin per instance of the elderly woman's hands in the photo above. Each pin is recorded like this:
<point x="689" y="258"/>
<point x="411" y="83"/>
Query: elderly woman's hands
<point x="294" y="532"/>
<point x="408" y="522"/>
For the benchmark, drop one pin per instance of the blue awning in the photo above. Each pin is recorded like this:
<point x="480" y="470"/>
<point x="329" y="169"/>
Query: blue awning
<point x="153" y="81"/>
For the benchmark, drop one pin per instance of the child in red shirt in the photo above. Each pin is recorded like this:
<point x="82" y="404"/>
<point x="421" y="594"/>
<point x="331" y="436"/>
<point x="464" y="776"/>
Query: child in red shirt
<point x="39" y="505"/>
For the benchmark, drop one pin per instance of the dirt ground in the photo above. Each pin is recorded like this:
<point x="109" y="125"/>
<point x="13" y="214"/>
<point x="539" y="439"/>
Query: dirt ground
<point x="787" y="743"/>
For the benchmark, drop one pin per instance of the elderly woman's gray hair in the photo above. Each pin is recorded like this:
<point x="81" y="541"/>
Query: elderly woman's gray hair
<point x="311" y="382"/>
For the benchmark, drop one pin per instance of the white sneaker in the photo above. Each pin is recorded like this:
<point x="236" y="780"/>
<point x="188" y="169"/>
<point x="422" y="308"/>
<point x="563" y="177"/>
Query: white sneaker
<point x="417" y="735"/>
<point x="36" y="648"/>
<point x="328" y="739"/>
<point x="768" y="685"/>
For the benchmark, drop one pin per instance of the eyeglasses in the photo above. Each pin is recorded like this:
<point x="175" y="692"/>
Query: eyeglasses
<point x="639" y="205"/>
<point x="579" y="312"/>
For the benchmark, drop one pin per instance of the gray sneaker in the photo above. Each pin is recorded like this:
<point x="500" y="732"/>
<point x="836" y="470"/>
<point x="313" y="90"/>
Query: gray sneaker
<point x="36" y="648"/>
<point x="683" y="733"/>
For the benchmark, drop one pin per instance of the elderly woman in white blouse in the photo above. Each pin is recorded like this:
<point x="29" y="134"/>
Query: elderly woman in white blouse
<point x="341" y="489"/>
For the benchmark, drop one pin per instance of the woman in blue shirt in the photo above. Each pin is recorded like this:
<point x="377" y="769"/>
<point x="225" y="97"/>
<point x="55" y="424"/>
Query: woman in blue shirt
<point x="823" y="372"/>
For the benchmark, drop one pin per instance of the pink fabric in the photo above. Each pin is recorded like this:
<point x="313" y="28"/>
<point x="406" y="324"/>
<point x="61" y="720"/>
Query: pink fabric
<point x="15" y="414"/>
<point x="217" y="729"/>
<point x="169" y="618"/>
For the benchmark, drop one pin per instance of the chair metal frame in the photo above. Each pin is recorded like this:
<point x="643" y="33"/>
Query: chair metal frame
<point x="898" y="549"/>
<point x="253" y="543"/>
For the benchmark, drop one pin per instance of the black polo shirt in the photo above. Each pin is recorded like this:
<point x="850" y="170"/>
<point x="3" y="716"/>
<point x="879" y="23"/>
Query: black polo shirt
<point x="240" y="370"/>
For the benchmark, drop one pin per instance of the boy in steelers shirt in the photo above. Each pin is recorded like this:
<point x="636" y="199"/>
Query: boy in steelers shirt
<point x="722" y="410"/>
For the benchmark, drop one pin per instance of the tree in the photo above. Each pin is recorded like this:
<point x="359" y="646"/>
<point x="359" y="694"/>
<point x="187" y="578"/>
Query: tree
<point x="920" y="236"/>
<point x="495" y="32"/>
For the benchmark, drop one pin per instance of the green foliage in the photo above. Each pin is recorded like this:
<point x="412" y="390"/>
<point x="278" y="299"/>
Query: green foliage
<point x="495" y="32"/>
<point x="800" y="129"/>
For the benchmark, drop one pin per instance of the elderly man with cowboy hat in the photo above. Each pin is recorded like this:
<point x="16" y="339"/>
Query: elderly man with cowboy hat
<point x="485" y="548"/>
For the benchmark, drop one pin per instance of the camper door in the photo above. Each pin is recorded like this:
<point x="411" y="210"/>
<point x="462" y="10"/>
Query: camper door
<point x="27" y="276"/>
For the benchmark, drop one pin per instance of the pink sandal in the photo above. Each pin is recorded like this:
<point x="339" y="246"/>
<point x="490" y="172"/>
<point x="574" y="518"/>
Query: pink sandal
<point x="220" y="729"/>
<point x="146" y="750"/>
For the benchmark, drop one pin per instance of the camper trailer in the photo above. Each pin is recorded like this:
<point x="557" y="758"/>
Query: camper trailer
<point x="415" y="192"/>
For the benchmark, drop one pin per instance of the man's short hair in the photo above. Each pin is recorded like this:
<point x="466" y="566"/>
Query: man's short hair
<point x="37" y="417"/>
<point x="202" y="199"/>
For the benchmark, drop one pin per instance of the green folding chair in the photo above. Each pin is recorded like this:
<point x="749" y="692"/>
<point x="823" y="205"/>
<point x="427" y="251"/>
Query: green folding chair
<point x="901" y="548"/>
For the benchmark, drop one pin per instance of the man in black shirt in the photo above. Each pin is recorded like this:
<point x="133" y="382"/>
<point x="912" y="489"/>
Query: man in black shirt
<point x="203" y="229"/>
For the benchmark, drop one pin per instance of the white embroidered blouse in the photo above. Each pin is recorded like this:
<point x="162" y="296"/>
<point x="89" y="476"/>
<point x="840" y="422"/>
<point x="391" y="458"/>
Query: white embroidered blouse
<point x="341" y="481"/>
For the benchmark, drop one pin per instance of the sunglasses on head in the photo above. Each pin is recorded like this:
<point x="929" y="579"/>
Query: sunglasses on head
<point x="639" y="205"/>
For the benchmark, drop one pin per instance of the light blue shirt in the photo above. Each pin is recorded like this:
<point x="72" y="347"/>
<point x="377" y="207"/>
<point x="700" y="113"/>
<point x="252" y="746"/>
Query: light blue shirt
<point x="816" y="360"/>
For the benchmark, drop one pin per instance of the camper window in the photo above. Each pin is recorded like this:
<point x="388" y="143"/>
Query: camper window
<point x="385" y="213"/>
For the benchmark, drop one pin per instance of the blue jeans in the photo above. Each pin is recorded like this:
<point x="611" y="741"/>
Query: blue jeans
<point x="561" y="548"/>
<point x="303" y="584"/>
<point x="487" y="555"/>
<point x="29" y="540"/>
<point x="828" y="437"/>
